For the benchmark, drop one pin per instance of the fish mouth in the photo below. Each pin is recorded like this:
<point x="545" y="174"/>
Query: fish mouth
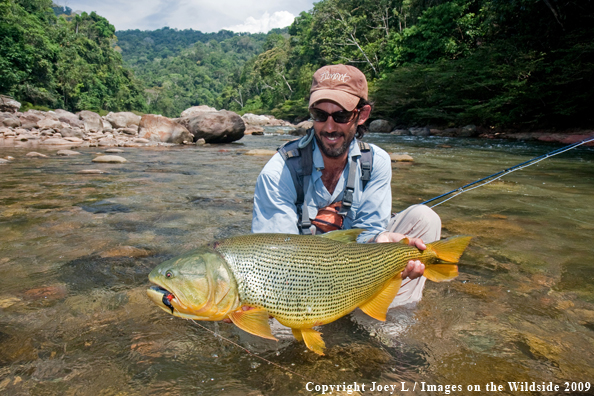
<point x="167" y="296"/>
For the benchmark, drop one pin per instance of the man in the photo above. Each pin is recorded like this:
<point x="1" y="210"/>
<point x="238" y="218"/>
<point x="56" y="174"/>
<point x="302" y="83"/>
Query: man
<point x="339" y="192"/>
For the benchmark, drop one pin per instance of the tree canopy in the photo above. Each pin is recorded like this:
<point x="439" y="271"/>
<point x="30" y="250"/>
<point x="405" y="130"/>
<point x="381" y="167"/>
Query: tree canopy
<point x="65" y="62"/>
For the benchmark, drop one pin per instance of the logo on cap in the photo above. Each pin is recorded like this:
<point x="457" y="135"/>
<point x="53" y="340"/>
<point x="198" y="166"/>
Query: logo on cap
<point x="326" y="75"/>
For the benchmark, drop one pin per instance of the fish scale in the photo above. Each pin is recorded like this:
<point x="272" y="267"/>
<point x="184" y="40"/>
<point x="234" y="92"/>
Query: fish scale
<point x="309" y="280"/>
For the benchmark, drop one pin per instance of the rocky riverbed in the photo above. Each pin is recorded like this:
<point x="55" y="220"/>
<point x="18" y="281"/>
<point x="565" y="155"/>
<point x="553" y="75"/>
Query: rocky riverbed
<point x="197" y="125"/>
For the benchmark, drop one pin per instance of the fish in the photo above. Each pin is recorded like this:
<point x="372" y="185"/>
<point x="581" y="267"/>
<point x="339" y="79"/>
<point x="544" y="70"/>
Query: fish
<point x="303" y="281"/>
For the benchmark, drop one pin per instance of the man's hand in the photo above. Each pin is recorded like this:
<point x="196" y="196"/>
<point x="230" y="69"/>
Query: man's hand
<point x="414" y="268"/>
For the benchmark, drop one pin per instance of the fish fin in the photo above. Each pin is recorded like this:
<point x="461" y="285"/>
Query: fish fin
<point x="405" y="241"/>
<point x="449" y="250"/>
<point x="378" y="305"/>
<point x="441" y="272"/>
<point x="346" y="236"/>
<point x="297" y="334"/>
<point x="254" y="321"/>
<point x="313" y="340"/>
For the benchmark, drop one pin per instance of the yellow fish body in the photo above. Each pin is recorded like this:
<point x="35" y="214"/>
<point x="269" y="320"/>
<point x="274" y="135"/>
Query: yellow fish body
<point x="302" y="281"/>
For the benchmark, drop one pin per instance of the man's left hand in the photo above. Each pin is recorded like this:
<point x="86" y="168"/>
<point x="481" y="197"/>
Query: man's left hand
<point x="414" y="268"/>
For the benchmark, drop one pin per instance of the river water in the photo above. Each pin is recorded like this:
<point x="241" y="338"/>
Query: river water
<point x="75" y="251"/>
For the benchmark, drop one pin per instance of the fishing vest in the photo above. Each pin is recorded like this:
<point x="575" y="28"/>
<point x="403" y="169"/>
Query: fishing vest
<point x="298" y="155"/>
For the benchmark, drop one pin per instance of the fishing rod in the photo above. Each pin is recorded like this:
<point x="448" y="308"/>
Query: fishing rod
<point x="500" y="174"/>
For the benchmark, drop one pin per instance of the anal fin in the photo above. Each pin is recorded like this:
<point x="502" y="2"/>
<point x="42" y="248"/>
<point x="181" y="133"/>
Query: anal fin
<point x="378" y="305"/>
<point x="313" y="340"/>
<point x="441" y="272"/>
<point x="254" y="321"/>
<point x="297" y="334"/>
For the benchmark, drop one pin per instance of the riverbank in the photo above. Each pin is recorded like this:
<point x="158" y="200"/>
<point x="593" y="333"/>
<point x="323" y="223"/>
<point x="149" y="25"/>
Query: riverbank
<point x="200" y="125"/>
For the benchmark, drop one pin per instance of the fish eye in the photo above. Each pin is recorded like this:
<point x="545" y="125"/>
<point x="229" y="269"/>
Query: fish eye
<point x="168" y="274"/>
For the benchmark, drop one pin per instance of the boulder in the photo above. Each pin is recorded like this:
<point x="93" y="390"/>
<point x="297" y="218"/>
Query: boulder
<point x="123" y="119"/>
<point x="467" y="131"/>
<point x="107" y="125"/>
<point x="92" y="121"/>
<point x="253" y="130"/>
<point x="69" y="118"/>
<point x="35" y="154"/>
<point x="381" y="126"/>
<point x="30" y="118"/>
<point x="161" y="129"/>
<point x="253" y="119"/>
<point x="302" y="128"/>
<point x="420" y="131"/>
<point x="197" y="109"/>
<point x="57" y="142"/>
<point x="220" y="127"/>
<point x="11" y="122"/>
<point x="8" y="104"/>
<point x="49" y="123"/>
<point x="132" y="130"/>
<point x="72" y="132"/>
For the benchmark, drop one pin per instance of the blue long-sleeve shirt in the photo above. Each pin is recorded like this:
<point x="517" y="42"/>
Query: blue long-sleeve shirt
<point x="275" y="195"/>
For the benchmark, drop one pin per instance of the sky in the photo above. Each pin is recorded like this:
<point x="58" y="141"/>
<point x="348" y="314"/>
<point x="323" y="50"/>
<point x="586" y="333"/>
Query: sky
<point x="205" y="15"/>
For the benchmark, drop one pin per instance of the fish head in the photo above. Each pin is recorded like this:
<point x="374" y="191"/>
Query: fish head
<point x="196" y="285"/>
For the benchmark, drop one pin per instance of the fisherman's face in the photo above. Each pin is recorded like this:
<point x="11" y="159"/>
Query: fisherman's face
<point x="334" y="138"/>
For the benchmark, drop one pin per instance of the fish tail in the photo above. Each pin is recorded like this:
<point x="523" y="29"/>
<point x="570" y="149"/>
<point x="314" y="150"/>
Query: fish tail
<point x="447" y="251"/>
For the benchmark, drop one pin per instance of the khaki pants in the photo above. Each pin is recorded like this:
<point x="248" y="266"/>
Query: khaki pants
<point x="417" y="221"/>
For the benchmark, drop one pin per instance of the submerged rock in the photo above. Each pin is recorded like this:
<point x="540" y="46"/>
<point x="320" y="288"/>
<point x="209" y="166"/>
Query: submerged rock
<point x="401" y="158"/>
<point x="110" y="159"/>
<point x="67" y="153"/>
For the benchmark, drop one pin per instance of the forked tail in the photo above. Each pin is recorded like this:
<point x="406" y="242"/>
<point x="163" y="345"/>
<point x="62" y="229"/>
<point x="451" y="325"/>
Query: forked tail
<point x="447" y="251"/>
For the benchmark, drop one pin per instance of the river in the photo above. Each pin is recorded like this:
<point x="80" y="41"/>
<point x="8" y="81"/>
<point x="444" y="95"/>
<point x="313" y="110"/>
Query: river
<point x="75" y="251"/>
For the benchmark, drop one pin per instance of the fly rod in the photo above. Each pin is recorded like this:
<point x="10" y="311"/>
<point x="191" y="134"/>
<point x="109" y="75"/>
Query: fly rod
<point x="496" y="176"/>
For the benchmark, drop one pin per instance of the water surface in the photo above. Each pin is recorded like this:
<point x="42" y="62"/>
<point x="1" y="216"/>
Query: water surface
<point x="75" y="250"/>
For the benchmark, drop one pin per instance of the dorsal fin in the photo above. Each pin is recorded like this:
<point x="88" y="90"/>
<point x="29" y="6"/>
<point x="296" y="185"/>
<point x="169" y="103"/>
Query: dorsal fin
<point x="346" y="236"/>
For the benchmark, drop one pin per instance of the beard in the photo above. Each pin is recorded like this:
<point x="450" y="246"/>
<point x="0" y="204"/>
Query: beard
<point x="336" y="151"/>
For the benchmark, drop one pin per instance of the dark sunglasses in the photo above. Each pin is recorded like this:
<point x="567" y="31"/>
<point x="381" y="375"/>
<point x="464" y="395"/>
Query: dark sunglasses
<point x="340" y="117"/>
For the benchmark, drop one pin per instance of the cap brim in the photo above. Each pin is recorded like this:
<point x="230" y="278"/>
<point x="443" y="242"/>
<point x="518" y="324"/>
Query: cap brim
<point x="343" y="99"/>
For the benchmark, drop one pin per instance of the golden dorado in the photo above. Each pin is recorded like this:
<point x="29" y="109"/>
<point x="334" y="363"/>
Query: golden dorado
<point x="301" y="280"/>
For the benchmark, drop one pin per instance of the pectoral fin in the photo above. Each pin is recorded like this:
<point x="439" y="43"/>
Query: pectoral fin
<point x="441" y="272"/>
<point x="378" y="305"/>
<point x="254" y="321"/>
<point x="313" y="340"/>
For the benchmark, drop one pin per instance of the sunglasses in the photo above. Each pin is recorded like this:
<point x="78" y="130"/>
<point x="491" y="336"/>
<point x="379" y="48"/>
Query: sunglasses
<point x="340" y="117"/>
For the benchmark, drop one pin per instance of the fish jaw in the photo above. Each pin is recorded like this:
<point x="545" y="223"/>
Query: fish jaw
<point x="197" y="285"/>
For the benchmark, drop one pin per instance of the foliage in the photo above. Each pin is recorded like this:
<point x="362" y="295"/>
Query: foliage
<point x="49" y="61"/>
<point x="184" y="68"/>
<point x="524" y="63"/>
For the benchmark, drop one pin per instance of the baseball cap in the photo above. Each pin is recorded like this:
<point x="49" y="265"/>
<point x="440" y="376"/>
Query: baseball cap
<point x="342" y="84"/>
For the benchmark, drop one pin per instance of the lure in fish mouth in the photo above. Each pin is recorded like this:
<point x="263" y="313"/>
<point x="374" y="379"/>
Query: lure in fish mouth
<point x="167" y="297"/>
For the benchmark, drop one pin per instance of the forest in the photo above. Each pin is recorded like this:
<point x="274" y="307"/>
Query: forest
<point x="496" y="63"/>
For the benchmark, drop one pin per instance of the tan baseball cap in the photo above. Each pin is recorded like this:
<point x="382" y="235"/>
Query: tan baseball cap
<point x="342" y="84"/>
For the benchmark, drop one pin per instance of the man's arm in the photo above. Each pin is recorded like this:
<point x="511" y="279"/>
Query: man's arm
<point x="274" y="200"/>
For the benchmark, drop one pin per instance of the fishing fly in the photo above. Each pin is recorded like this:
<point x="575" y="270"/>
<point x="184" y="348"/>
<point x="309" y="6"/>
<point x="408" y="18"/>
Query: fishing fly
<point x="496" y="176"/>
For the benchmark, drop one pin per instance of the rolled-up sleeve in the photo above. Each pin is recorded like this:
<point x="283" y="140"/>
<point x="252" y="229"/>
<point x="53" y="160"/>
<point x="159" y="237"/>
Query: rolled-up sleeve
<point x="274" y="200"/>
